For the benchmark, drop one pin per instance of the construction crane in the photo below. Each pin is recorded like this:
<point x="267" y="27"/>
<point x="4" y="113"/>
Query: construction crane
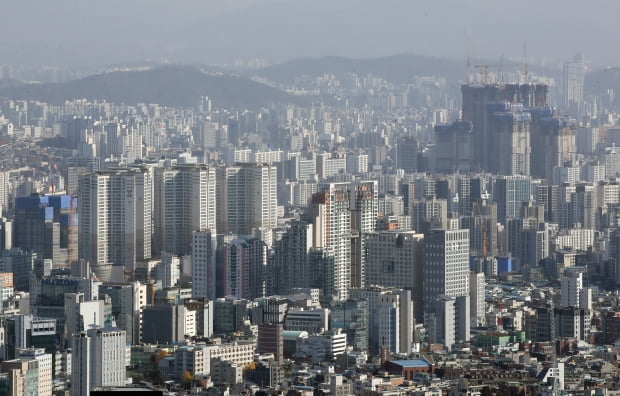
<point x="485" y="70"/>
<point x="525" y="61"/>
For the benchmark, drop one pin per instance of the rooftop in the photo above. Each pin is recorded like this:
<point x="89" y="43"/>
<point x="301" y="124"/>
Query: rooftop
<point x="412" y="363"/>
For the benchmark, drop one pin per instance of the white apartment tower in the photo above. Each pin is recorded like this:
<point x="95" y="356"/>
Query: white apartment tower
<point x="330" y="215"/>
<point x="184" y="202"/>
<point x="248" y="200"/>
<point x="115" y="216"/>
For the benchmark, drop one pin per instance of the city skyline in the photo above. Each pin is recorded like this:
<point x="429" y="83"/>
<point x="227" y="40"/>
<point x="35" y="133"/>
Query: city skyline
<point x="389" y="225"/>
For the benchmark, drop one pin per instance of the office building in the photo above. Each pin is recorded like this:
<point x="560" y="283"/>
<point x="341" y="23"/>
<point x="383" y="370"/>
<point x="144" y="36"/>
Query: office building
<point x="82" y="314"/>
<point x="310" y="320"/>
<point x="21" y="263"/>
<point x="271" y="340"/>
<point x="352" y="316"/>
<point x="171" y="323"/>
<point x="23" y="376"/>
<point x="509" y="193"/>
<point x="168" y="270"/>
<point x="583" y="206"/>
<point x="446" y="264"/>
<point x="396" y="259"/>
<point x="357" y="163"/>
<point x="572" y="322"/>
<point x="573" y="293"/>
<point x="47" y="225"/>
<point x="446" y="273"/>
<point x="128" y="300"/>
<point x="97" y="359"/>
<point x="391" y="318"/>
<point x="44" y="368"/>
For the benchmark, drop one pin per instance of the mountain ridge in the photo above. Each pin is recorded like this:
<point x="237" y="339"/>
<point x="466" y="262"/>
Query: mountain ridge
<point x="174" y="85"/>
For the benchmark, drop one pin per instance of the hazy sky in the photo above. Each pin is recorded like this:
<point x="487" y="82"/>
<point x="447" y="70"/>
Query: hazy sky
<point x="96" y="32"/>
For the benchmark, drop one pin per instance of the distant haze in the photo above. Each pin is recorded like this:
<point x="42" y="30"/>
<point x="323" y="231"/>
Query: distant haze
<point x="95" y="32"/>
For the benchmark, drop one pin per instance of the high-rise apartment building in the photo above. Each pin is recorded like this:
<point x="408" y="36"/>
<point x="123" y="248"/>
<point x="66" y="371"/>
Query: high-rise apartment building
<point x="115" y="216"/>
<point x="248" y="200"/>
<point x="244" y="263"/>
<point x="184" y="201"/>
<point x="203" y="265"/>
<point x="330" y="215"/>
<point x="289" y="266"/>
<point x="364" y="211"/>
<point x="477" y="298"/>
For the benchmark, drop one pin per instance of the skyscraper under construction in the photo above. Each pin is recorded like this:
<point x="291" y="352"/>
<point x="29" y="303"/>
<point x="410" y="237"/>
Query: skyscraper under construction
<point x="512" y="131"/>
<point x="501" y="126"/>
